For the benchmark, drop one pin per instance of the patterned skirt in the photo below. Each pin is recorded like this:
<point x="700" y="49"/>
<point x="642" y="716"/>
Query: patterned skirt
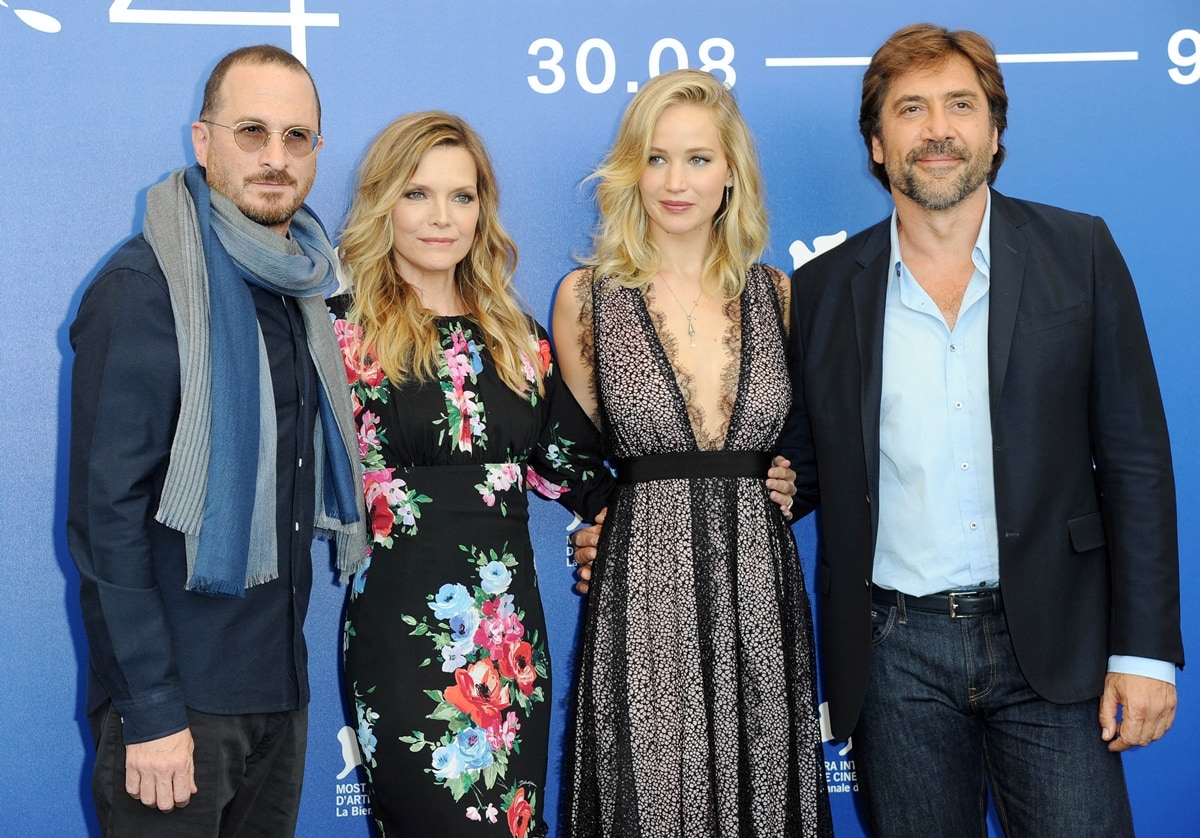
<point x="446" y="662"/>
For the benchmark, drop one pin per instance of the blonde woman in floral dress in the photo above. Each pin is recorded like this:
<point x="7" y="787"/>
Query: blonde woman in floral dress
<point x="459" y="410"/>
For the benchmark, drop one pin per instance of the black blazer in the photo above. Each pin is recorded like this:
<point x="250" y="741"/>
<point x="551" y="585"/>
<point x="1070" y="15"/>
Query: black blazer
<point x="1085" y="494"/>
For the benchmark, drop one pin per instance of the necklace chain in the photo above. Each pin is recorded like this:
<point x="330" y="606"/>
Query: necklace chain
<point x="688" y="314"/>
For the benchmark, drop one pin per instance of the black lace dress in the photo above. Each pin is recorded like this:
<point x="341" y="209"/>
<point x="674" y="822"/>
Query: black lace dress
<point x="696" y="711"/>
<point x="446" y="661"/>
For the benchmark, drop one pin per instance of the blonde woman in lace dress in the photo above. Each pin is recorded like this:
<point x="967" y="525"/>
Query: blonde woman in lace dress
<point x="696" y="710"/>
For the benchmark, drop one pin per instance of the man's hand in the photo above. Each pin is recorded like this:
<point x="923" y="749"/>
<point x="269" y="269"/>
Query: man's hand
<point x="585" y="542"/>
<point x="781" y="481"/>
<point x="1147" y="710"/>
<point x="160" y="773"/>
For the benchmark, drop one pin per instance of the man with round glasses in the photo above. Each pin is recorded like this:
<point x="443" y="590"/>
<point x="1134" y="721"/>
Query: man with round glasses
<point x="212" y="435"/>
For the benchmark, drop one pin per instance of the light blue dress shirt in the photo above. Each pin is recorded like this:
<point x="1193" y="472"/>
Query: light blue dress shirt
<point x="937" y="501"/>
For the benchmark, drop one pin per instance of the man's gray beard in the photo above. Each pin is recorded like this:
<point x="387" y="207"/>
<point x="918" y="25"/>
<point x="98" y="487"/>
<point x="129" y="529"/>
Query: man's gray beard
<point x="947" y="195"/>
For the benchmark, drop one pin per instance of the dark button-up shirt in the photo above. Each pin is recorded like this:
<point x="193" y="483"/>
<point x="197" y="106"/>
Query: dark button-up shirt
<point x="156" y="648"/>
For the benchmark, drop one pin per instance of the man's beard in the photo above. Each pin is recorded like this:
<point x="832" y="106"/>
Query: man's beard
<point x="270" y="211"/>
<point x="934" y="193"/>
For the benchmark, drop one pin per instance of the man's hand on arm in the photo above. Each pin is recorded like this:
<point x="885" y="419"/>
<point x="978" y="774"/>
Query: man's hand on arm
<point x="584" y="542"/>
<point x="781" y="481"/>
<point x="160" y="773"/>
<point x="1147" y="710"/>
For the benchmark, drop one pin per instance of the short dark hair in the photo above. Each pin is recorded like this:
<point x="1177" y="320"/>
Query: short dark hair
<point x="259" y="54"/>
<point x="922" y="46"/>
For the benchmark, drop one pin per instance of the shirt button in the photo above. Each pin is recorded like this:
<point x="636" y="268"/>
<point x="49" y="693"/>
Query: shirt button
<point x="297" y="526"/>
<point x="958" y="405"/>
<point x="953" y="348"/>
<point x="974" y="525"/>
<point x="964" y="466"/>
<point x="300" y="463"/>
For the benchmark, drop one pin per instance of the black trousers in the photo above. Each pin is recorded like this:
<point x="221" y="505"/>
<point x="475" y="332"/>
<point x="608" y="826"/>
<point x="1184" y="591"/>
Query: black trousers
<point x="249" y="773"/>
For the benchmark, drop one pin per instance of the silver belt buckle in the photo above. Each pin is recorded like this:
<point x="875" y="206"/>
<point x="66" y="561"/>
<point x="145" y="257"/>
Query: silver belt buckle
<point x="953" y="597"/>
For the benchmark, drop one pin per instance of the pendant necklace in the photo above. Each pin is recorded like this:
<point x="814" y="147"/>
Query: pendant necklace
<point x="688" y="314"/>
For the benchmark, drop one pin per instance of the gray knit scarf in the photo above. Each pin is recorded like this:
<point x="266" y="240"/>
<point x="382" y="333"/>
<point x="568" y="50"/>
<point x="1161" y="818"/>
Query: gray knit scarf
<point x="173" y="229"/>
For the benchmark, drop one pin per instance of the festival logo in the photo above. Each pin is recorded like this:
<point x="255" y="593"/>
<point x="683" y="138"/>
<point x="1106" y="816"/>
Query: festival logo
<point x="40" y="21"/>
<point x="800" y="251"/>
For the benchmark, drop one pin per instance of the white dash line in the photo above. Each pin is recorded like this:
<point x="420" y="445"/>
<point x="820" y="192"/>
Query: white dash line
<point x="1010" y="58"/>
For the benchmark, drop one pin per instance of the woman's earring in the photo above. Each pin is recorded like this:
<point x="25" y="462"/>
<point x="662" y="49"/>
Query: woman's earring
<point x="728" y="189"/>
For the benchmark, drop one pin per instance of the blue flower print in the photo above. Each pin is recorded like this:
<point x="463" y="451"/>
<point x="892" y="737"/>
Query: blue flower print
<point x="451" y="600"/>
<point x="495" y="578"/>
<point x="448" y="762"/>
<point x="475" y="749"/>
<point x="476" y="361"/>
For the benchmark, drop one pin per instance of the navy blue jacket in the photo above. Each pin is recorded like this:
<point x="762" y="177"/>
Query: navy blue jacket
<point x="1085" y="492"/>
<point x="156" y="649"/>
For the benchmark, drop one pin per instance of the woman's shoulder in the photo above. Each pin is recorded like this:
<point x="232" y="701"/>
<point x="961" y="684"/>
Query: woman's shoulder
<point x="774" y="279"/>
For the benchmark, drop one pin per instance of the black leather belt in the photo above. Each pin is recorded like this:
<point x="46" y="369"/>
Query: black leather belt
<point x="954" y="604"/>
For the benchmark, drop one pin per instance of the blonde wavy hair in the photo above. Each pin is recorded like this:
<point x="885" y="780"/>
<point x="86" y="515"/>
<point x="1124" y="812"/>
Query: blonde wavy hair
<point x="398" y="331"/>
<point x="622" y="247"/>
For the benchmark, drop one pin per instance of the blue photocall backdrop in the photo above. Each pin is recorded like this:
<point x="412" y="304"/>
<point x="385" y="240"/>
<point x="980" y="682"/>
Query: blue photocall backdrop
<point x="95" y="102"/>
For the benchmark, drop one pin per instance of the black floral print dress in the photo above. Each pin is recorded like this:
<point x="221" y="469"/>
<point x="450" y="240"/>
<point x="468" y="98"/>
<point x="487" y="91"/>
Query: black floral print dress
<point x="696" y="703"/>
<point x="446" y="662"/>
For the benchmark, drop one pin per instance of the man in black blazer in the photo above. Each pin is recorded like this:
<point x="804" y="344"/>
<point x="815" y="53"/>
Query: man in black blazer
<point x="978" y="418"/>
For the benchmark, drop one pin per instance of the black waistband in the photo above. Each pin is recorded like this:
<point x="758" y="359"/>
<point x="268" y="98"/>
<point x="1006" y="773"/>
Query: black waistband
<point x="691" y="465"/>
<point x="976" y="603"/>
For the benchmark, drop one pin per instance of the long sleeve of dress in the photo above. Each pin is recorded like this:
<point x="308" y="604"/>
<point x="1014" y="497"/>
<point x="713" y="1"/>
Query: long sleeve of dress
<point x="567" y="463"/>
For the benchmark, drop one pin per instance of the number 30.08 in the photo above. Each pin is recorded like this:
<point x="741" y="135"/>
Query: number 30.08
<point x="715" y="53"/>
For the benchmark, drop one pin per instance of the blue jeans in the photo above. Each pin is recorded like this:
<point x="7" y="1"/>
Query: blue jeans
<point x="947" y="712"/>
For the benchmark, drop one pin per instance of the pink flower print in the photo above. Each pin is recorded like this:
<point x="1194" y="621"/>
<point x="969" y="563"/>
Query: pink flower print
<point x="503" y="478"/>
<point x="495" y="633"/>
<point x="368" y="433"/>
<point x="539" y="484"/>
<point x="459" y="367"/>
<point x="473" y="814"/>
<point x="504" y="735"/>
<point x="512" y="473"/>
<point x="477" y="426"/>
<point x="530" y="374"/>
<point x="360" y="367"/>
<point x="500" y="606"/>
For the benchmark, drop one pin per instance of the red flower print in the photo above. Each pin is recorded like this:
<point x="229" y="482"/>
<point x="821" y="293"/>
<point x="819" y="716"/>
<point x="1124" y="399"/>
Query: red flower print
<point x="381" y="516"/>
<point x="520" y="813"/>
<point x="516" y="662"/>
<point x="544" y="354"/>
<point x="375" y="486"/>
<point x="479" y="693"/>
<point x="359" y="368"/>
